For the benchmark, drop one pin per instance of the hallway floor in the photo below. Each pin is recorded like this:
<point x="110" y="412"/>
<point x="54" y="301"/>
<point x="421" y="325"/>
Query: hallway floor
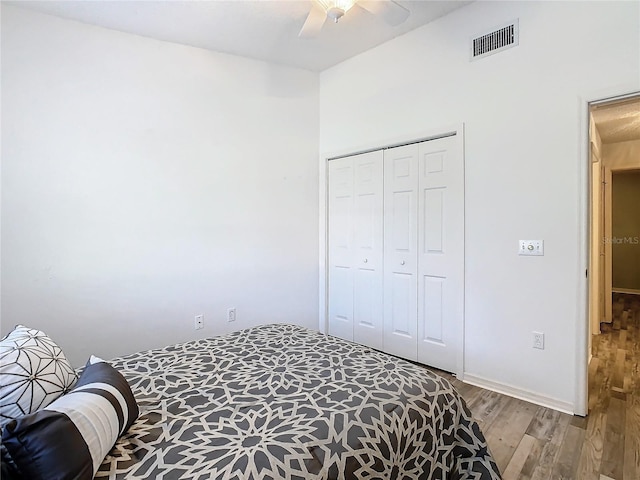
<point x="533" y="442"/>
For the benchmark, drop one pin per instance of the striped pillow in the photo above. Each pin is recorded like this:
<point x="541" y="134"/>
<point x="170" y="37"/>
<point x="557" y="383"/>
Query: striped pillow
<point x="70" y="437"/>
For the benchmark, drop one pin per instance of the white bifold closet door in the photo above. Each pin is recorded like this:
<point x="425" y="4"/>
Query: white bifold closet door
<point x="440" y="253"/>
<point x="400" y="251"/>
<point x="355" y="248"/>
<point x="424" y="252"/>
<point x="396" y="250"/>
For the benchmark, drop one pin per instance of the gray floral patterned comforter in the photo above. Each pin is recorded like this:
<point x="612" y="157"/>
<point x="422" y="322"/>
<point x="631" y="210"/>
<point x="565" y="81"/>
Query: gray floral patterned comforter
<point x="284" y="402"/>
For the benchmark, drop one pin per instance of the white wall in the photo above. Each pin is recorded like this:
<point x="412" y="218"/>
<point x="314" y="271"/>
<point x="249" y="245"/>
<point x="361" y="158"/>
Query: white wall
<point x="145" y="182"/>
<point x="521" y="110"/>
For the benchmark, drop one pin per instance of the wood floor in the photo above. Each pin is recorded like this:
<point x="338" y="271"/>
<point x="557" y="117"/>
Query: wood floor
<point x="532" y="442"/>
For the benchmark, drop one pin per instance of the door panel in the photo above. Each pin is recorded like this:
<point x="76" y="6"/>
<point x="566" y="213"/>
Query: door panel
<point x="441" y="254"/>
<point x="400" y="250"/>
<point x="366" y="222"/>
<point x="341" y="250"/>
<point x="365" y="282"/>
<point x="340" y="303"/>
<point x="368" y="314"/>
<point x="433" y="212"/>
<point x="403" y="208"/>
<point x="432" y="298"/>
<point x="355" y="248"/>
<point x="403" y="318"/>
<point x="339" y="223"/>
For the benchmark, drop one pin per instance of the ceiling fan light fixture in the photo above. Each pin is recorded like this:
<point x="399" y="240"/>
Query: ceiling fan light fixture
<point x="335" y="13"/>
<point x="390" y="11"/>
<point x="336" y="8"/>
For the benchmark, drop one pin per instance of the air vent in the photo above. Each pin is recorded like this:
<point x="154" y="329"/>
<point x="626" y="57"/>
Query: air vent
<point x="495" y="41"/>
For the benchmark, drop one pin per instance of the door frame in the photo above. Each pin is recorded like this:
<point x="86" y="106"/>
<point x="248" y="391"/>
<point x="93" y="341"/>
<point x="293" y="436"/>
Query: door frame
<point x="584" y="238"/>
<point x="323" y="202"/>
<point x="596" y="270"/>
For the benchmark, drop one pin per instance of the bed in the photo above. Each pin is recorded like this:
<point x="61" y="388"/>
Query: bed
<point x="270" y="402"/>
<point x="284" y="402"/>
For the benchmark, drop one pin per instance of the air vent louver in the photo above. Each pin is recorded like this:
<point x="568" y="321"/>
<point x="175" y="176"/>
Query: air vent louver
<point x="495" y="41"/>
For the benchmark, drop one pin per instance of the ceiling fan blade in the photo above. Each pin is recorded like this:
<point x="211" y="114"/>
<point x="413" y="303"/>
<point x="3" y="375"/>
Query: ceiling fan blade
<point x="314" y="22"/>
<point x="391" y="12"/>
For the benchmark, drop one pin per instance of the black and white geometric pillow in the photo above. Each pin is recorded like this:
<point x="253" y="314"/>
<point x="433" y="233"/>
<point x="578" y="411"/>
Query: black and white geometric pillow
<point x="33" y="372"/>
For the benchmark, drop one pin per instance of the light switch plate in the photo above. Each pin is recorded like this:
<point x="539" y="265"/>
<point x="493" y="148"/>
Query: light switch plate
<point x="531" y="247"/>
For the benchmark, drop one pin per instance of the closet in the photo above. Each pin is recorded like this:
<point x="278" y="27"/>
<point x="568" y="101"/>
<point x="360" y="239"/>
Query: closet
<point x="396" y="250"/>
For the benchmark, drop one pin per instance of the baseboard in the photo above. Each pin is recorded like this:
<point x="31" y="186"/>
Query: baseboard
<point x="519" y="393"/>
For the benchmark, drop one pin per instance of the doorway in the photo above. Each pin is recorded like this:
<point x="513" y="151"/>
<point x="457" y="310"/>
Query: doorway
<point x="614" y="155"/>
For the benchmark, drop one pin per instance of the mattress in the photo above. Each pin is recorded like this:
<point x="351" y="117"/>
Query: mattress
<point x="284" y="402"/>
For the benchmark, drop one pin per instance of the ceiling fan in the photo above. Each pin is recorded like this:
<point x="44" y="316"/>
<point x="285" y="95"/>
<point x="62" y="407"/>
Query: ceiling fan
<point x="391" y="12"/>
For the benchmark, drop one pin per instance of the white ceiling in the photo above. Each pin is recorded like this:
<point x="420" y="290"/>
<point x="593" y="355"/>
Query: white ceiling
<point x="260" y="29"/>
<point x="619" y="121"/>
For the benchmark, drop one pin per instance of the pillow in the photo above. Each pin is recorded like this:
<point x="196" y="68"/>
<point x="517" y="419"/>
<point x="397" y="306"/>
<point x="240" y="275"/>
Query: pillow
<point x="70" y="437"/>
<point x="33" y="372"/>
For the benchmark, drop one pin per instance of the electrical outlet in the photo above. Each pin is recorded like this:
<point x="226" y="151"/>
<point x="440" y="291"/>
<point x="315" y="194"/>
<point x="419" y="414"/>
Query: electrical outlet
<point x="538" y="340"/>
<point x="231" y="315"/>
<point x="199" y="322"/>
<point x="531" y="247"/>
